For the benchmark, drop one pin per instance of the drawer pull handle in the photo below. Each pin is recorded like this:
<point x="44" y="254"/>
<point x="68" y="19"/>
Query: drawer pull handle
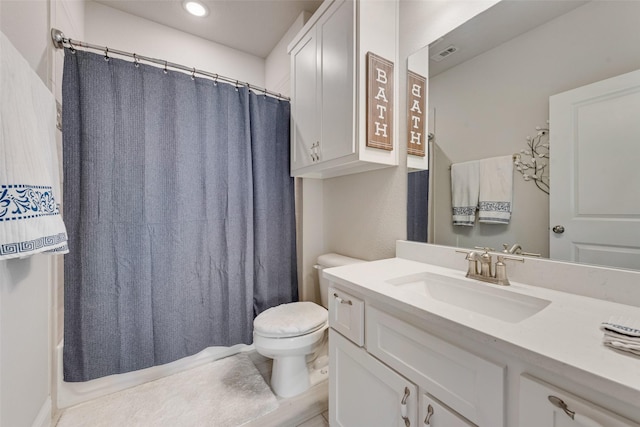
<point x="427" y="419"/>
<point x="403" y="407"/>
<point x="342" y="301"/>
<point x="583" y="420"/>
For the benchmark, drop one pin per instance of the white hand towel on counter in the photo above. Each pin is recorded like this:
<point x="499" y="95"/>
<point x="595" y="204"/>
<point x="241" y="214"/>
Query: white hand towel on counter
<point x="465" y="187"/>
<point x="622" y="334"/>
<point x="496" y="190"/>
<point x="30" y="219"/>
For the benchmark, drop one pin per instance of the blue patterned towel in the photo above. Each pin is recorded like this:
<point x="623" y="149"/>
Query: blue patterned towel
<point x="465" y="188"/>
<point x="496" y="190"/>
<point x="30" y="220"/>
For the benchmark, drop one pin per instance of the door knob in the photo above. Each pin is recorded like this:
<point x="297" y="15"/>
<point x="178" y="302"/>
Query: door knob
<point x="558" y="229"/>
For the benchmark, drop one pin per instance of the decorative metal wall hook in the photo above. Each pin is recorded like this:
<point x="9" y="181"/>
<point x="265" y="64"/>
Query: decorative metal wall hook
<point x="532" y="163"/>
<point x="106" y="53"/>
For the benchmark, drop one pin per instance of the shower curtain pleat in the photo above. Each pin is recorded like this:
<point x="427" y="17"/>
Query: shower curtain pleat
<point x="417" y="206"/>
<point x="180" y="213"/>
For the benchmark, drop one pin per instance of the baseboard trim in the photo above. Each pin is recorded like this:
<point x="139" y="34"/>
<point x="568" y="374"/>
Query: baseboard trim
<point x="44" y="416"/>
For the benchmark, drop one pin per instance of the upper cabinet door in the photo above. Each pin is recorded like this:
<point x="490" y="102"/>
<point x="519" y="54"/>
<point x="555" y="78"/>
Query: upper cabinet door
<point x="337" y="56"/>
<point x="305" y="132"/>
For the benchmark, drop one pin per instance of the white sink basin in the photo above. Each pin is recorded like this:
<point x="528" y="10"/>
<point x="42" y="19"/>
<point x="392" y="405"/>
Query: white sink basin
<point x="474" y="296"/>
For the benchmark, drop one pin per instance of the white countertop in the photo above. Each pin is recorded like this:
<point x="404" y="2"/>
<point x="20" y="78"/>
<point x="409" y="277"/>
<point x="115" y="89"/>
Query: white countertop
<point x="564" y="337"/>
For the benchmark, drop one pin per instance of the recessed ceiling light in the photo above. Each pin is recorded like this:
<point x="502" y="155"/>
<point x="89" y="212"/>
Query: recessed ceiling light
<point x="195" y="8"/>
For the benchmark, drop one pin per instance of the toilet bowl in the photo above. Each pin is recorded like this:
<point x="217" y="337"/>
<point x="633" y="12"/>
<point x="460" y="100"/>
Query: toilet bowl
<point x="291" y="333"/>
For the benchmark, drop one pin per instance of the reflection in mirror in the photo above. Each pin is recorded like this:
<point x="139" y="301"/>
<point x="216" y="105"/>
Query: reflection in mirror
<point x="489" y="90"/>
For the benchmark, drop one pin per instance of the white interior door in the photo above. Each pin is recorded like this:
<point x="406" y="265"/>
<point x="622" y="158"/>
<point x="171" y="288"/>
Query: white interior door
<point x="595" y="173"/>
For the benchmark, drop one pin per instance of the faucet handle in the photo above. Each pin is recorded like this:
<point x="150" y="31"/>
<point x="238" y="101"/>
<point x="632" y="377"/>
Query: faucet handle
<point x="484" y="248"/>
<point x="501" y="258"/>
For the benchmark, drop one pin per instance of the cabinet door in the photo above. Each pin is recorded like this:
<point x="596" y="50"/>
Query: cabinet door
<point x="305" y="132"/>
<point x="337" y="76"/>
<point x="536" y="409"/>
<point x="364" y="392"/>
<point x="435" y="414"/>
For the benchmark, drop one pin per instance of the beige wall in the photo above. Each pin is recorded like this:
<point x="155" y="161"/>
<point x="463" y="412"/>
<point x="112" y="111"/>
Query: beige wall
<point x="488" y="105"/>
<point x="25" y="284"/>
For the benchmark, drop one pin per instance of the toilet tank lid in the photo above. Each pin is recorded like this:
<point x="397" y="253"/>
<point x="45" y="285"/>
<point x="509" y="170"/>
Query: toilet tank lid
<point x="336" y="260"/>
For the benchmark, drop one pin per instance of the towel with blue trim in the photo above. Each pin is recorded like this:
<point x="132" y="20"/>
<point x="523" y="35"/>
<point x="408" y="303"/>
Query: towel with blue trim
<point x="622" y="334"/>
<point x="30" y="220"/>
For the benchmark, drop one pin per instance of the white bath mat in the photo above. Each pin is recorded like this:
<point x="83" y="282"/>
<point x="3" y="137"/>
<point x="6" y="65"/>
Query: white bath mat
<point x="225" y="393"/>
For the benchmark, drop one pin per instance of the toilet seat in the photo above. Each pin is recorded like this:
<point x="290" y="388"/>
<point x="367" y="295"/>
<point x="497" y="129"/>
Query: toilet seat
<point x="290" y="320"/>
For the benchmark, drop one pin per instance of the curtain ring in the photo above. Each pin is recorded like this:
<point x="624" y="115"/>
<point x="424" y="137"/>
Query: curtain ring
<point x="71" y="47"/>
<point x="237" y="84"/>
<point x="136" y="61"/>
<point x="106" y="53"/>
<point x="165" y="67"/>
<point x="193" y="73"/>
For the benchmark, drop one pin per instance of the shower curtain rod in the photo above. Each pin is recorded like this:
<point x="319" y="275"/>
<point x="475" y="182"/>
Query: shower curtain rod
<point x="60" y="42"/>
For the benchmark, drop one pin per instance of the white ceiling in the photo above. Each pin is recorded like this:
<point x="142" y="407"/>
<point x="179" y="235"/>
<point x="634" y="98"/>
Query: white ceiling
<point x="252" y="26"/>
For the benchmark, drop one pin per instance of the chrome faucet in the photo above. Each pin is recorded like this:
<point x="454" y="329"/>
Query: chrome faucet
<point x="487" y="272"/>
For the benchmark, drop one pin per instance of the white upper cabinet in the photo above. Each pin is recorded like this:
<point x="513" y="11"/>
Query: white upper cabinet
<point x="328" y="96"/>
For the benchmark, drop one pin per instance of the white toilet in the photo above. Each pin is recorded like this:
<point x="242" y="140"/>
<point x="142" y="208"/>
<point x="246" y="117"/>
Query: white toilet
<point x="290" y="332"/>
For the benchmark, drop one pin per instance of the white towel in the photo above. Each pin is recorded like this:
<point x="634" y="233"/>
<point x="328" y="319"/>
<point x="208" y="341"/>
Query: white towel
<point x="622" y="333"/>
<point x="465" y="189"/>
<point x="496" y="190"/>
<point x="30" y="219"/>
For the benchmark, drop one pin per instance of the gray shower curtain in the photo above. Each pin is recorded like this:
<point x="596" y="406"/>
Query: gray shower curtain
<point x="180" y="214"/>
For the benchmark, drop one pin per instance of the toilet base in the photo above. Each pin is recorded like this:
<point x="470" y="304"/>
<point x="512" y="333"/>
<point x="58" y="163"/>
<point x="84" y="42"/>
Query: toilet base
<point x="289" y="376"/>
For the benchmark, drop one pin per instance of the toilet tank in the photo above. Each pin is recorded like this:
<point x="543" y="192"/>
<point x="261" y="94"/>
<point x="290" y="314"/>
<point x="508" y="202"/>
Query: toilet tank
<point x="328" y="261"/>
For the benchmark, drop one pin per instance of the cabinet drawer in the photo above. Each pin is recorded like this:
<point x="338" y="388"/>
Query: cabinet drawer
<point x="346" y="315"/>
<point x="435" y="414"/>
<point x="468" y="384"/>
<point x="536" y="409"/>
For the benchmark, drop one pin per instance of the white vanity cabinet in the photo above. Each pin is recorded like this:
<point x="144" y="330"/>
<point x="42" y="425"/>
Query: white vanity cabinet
<point x="402" y="366"/>
<point x="328" y="96"/>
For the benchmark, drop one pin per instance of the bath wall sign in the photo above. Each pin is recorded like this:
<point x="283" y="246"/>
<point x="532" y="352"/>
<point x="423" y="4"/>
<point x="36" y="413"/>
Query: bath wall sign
<point x="379" y="102"/>
<point x="416" y="97"/>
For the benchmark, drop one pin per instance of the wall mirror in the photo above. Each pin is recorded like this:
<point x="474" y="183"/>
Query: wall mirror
<point x="489" y="84"/>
